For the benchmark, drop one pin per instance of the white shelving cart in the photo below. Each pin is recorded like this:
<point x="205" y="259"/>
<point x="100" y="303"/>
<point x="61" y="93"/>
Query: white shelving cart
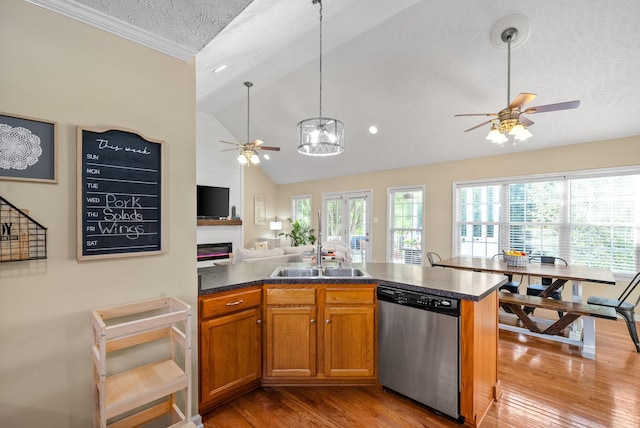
<point x="161" y="387"/>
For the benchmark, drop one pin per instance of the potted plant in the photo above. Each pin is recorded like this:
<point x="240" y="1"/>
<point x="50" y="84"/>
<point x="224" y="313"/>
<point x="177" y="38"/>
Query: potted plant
<point x="299" y="234"/>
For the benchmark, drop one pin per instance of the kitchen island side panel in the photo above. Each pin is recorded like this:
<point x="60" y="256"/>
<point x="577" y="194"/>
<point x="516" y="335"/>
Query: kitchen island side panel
<point x="479" y="357"/>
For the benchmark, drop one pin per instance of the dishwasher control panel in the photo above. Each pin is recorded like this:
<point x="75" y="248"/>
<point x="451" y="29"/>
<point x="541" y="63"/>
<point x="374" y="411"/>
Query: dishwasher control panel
<point x="419" y="300"/>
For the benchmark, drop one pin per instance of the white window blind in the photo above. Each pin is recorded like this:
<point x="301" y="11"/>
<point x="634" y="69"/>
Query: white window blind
<point x="405" y="236"/>
<point x="605" y="222"/>
<point x="588" y="219"/>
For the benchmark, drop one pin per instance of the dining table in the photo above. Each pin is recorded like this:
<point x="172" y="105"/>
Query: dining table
<point x="582" y="331"/>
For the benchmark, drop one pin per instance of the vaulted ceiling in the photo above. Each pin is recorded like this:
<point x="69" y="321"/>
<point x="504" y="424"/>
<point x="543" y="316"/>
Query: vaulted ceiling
<point x="405" y="66"/>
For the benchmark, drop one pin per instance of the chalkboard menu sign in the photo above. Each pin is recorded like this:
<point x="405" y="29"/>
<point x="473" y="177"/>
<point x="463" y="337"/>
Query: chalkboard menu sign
<point x="119" y="194"/>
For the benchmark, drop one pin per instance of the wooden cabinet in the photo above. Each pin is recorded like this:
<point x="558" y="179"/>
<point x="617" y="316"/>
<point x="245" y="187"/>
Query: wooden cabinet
<point x="349" y="332"/>
<point x="128" y="394"/>
<point x="290" y="317"/>
<point x="230" y="345"/>
<point x="341" y="345"/>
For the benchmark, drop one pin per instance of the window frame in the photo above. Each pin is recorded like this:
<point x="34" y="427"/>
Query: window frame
<point x="294" y="210"/>
<point x="390" y="232"/>
<point x="565" y="224"/>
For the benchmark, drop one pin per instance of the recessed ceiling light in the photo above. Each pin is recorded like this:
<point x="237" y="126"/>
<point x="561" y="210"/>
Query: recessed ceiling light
<point x="222" y="67"/>
<point x="373" y="130"/>
<point x="266" y="156"/>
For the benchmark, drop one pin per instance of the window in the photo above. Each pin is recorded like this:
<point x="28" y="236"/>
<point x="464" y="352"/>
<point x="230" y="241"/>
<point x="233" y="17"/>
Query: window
<point x="347" y="218"/>
<point x="404" y="242"/>
<point x="301" y="208"/>
<point x="589" y="218"/>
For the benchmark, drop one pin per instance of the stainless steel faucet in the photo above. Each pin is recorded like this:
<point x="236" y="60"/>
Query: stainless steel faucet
<point x="319" y="248"/>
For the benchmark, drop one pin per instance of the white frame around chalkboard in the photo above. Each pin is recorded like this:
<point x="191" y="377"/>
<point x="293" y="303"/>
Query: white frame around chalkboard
<point x="45" y="168"/>
<point x="80" y="182"/>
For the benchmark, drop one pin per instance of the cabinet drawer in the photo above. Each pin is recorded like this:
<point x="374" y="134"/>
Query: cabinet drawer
<point x="350" y="295"/>
<point x="290" y="296"/>
<point x="227" y="303"/>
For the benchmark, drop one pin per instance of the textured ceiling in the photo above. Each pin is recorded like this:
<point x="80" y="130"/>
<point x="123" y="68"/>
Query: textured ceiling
<point x="191" y="23"/>
<point x="406" y="66"/>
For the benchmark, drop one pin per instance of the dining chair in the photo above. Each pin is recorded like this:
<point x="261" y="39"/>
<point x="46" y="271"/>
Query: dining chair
<point x="511" y="285"/>
<point x="537" y="289"/>
<point x="623" y="307"/>
<point x="433" y="257"/>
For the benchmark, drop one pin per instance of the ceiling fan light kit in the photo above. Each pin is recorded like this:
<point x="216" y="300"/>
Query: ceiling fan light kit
<point x="320" y="136"/>
<point x="511" y="32"/>
<point x="247" y="157"/>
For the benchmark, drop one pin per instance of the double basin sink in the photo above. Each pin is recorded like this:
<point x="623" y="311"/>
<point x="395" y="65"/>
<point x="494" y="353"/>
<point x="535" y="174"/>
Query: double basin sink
<point x="314" y="272"/>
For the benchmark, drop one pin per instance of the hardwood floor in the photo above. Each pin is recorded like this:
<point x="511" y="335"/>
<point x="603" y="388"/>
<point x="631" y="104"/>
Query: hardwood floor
<point x="544" y="383"/>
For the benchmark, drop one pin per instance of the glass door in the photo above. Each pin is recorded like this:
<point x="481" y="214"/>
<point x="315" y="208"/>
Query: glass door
<point x="347" y="217"/>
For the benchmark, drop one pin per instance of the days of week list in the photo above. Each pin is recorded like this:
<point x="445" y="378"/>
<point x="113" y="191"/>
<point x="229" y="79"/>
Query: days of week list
<point x="121" y="194"/>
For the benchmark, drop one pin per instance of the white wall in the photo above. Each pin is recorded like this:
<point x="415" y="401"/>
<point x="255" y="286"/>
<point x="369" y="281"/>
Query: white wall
<point x="58" y="69"/>
<point x="215" y="167"/>
<point x="260" y="184"/>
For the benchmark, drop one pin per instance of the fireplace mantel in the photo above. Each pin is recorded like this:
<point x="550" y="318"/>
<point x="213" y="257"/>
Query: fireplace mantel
<point x="236" y="222"/>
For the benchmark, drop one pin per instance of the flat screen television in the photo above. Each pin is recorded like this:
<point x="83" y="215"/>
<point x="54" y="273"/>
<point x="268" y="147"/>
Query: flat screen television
<point x="213" y="202"/>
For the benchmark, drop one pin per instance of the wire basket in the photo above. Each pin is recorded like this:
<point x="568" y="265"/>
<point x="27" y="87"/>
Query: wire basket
<point x="517" y="261"/>
<point x="21" y="237"/>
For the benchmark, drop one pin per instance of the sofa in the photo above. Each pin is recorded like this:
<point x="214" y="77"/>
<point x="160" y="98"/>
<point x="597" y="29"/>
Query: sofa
<point x="274" y="255"/>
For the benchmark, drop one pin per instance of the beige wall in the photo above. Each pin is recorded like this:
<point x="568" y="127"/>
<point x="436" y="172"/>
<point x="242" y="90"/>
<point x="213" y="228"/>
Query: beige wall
<point x="260" y="184"/>
<point x="57" y="69"/>
<point x="438" y="181"/>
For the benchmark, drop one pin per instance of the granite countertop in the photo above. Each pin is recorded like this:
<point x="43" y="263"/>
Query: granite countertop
<point x="453" y="283"/>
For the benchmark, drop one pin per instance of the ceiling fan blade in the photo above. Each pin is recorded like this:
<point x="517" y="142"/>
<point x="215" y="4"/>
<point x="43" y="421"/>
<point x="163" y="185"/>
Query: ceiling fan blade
<point x="525" y="121"/>
<point x="476" y="114"/>
<point x="553" y="107"/>
<point x="478" y="126"/>
<point x="229" y="142"/>
<point x="521" y="100"/>
<point x="228" y="150"/>
<point x="275" y="149"/>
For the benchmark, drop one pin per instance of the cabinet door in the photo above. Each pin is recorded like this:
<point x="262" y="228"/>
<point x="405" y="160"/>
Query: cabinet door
<point x="349" y="341"/>
<point x="230" y="354"/>
<point x="291" y="341"/>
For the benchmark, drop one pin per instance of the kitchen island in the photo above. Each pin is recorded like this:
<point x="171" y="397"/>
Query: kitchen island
<point x="256" y="330"/>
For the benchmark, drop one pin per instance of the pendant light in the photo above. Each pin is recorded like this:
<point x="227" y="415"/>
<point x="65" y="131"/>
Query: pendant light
<point x="320" y="136"/>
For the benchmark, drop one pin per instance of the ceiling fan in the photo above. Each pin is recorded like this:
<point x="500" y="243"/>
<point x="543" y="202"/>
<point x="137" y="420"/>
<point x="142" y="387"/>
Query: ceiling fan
<point x="510" y="120"/>
<point x="249" y="151"/>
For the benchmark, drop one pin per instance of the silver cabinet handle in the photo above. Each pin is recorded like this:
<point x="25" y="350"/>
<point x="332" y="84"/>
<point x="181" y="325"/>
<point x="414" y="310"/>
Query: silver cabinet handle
<point x="313" y="321"/>
<point x="328" y="321"/>
<point x="259" y="322"/>
<point x="235" y="303"/>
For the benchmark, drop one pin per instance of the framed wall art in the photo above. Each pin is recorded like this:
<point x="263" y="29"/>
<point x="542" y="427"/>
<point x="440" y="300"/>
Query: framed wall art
<point x="260" y="210"/>
<point x="28" y="149"/>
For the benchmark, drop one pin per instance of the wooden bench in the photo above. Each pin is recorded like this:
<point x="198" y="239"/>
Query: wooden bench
<point x="572" y="311"/>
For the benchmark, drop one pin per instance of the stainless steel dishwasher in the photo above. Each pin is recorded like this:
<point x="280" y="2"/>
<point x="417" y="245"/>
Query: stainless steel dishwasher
<point x="419" y="348"/>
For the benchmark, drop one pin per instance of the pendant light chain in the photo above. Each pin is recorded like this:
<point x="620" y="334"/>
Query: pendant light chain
<point x="320" y="2"/>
